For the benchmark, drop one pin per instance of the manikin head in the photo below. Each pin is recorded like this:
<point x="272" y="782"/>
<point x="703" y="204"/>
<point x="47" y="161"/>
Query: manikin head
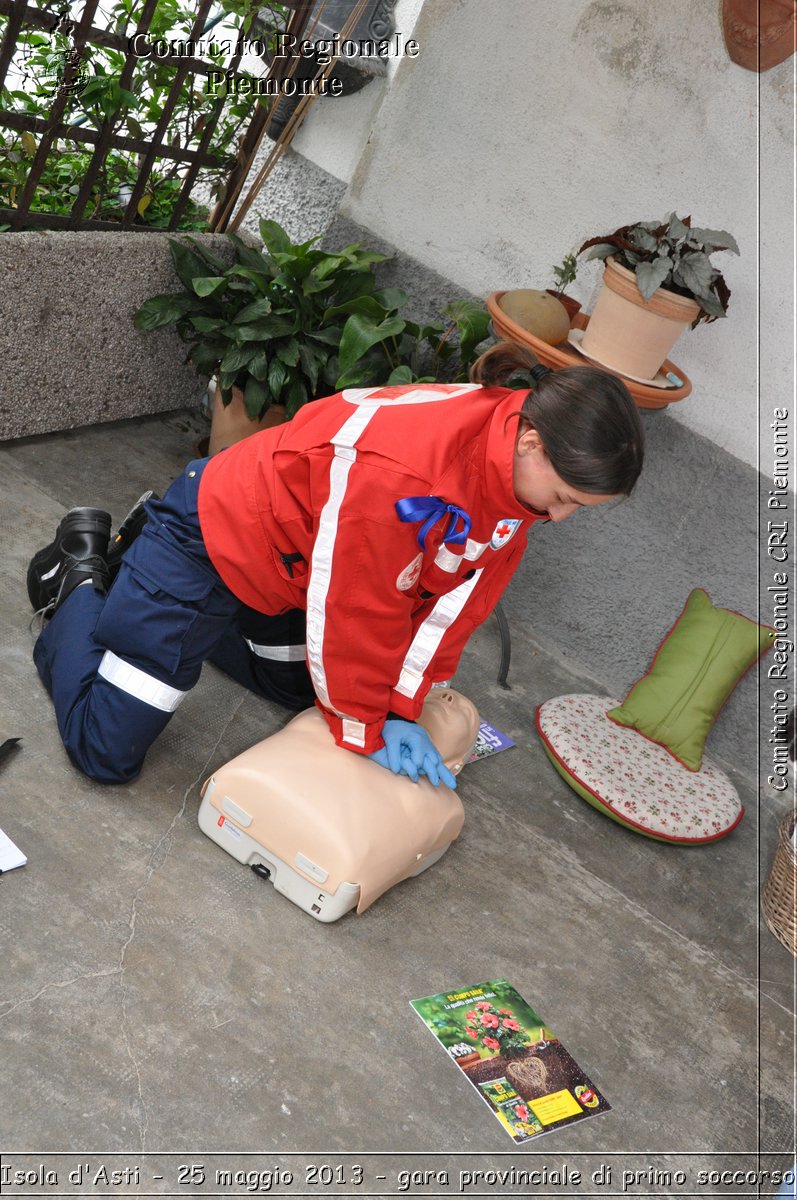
<point x="452" y="722"/>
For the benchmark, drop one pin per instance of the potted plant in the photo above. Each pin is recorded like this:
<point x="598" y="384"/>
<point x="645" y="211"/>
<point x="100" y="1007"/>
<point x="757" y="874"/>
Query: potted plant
<point x="378" y="345"/>
<point x="259" y="325"/>
<point x="565" y="274"/>
<point x="658" y="280"/>
<point x="759" y="34"/>
<point x="289" y="323"/>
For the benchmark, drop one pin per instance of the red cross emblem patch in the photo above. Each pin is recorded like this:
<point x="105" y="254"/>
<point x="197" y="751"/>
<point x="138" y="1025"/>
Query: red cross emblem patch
<point x="504" y="530"/>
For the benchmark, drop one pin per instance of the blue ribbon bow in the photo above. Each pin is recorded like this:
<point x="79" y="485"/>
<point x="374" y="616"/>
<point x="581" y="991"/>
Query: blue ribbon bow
<point x="430" y="509"/>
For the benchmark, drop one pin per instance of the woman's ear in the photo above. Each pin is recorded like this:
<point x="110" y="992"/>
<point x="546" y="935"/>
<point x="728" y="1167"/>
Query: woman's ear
<point x="529" y="442"/>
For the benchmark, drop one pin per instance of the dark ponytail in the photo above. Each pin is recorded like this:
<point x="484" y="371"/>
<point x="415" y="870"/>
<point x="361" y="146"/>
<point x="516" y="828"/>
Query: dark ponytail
<point x="498" y="364"/>
<point x="587" y="419"/>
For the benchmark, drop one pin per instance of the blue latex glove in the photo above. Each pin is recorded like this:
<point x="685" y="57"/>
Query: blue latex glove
<point x="408" y="750"/>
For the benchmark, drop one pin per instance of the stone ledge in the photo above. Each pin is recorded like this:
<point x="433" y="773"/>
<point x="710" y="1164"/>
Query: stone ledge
<point x="71" y="355"/>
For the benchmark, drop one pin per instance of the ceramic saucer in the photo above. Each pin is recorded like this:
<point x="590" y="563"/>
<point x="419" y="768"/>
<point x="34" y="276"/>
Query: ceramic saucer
<point x="660" y="380"/>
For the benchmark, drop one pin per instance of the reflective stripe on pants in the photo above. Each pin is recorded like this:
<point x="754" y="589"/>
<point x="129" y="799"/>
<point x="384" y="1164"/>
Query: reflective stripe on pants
<point x="162" y="618"/>
<point x="267" y="655"/>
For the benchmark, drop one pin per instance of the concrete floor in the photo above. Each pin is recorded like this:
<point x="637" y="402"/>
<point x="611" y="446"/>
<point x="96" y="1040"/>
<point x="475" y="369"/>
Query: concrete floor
<point x="157" y="997"/>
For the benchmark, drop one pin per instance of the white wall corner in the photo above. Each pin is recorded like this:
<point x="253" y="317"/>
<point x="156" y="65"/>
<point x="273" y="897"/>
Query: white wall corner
<point x="336" y="129"/>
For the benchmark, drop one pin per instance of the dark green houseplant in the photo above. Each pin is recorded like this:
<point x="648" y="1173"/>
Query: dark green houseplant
<point x="291" y="322"/>
<point x="259" y="324"/>
<point x="379" y="346"/>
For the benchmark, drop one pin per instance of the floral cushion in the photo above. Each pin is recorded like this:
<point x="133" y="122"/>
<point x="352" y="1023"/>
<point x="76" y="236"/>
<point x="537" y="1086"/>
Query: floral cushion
<point x="632" y="780"/>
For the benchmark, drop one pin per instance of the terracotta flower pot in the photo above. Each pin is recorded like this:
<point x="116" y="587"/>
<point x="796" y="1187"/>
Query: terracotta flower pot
<point x="230" y="422"/>
<point x="759" y="34"/>
<point x="572" y="306"/>
<point x="630" y="334"/>
<point x="566" y="355"/>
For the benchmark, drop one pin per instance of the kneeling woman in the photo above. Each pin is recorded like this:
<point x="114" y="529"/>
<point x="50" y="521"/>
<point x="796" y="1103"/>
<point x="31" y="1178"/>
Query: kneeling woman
<point x="392" y="518"/>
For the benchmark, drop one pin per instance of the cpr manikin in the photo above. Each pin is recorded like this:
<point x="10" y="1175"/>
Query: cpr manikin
<point x="332" y="829"/>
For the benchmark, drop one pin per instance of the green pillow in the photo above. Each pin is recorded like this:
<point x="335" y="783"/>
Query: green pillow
<point x="695" y="669"/>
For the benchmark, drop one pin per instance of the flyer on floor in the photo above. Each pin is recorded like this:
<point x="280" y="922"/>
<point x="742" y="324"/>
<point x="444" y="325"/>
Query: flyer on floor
<point x="511" y="1057"/>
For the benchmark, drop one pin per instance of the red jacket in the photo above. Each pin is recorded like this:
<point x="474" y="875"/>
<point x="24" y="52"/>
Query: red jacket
<point x="385" y="619"/>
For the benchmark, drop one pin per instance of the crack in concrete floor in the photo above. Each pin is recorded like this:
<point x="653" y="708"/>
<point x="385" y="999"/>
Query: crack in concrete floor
<point x="156" y="863"/>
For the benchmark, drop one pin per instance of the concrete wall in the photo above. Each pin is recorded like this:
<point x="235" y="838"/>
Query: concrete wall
<point x="524" y="128"/>
<point x="302" y="196"/>
<point x="70" y="354"/>
<point x="306" y="187"/>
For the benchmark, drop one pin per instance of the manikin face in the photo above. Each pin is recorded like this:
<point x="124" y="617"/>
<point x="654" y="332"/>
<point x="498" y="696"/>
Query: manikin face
<point x="539" y="488"/>
<point x="452" y="722"/>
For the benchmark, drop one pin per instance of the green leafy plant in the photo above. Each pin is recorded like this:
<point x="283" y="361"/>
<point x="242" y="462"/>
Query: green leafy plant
<point x="674" y="255"/>
<point x="291" y="322"/>
<point x="64" y="172"/>
<point x="99" y="102"/>
<point x="379" y="346"/>
<point x="262" y="323"/>
<point x="565" y="273"/>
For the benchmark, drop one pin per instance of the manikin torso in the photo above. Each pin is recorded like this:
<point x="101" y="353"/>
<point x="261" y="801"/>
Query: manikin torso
<point x="311" y="800"/>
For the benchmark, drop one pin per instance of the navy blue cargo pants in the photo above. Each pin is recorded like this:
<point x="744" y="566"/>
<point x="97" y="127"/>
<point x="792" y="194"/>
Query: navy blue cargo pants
<point x="117" y="666"/>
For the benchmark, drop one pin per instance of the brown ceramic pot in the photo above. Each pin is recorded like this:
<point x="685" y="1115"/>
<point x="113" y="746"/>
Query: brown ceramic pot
<point x="759" y="34"/>
<point x="630" y="334"/>
<point x="230" y="422"/>
<point x="572" y="306"/>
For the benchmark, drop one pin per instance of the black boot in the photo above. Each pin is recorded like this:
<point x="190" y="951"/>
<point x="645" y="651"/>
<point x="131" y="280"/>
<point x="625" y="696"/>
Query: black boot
<point x="76" y="554"/>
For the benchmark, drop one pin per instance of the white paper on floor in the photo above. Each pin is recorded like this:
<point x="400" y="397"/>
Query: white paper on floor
<point x="10" y="855"/>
